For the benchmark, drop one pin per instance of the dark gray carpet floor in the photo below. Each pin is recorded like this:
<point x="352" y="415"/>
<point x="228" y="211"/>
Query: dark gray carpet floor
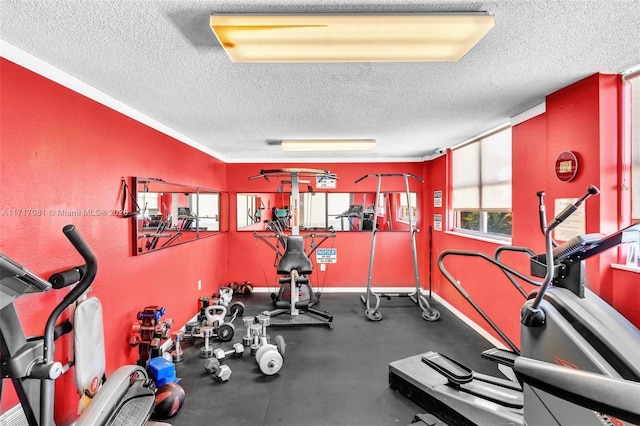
<point x="333" y="376"/>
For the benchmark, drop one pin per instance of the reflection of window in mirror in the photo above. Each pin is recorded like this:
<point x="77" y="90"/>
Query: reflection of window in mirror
<point x="150" y="213"/>
<point x="404" y="207"/>
<point x="313" y="208"/>
<point x="337" y="204"/>
<point x="246" y="211"/>
<point x="208" y="212"/>
<point x="179" y="210"/>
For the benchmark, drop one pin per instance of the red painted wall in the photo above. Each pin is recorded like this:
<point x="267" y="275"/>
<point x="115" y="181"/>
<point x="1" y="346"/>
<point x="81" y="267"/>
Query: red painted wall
<point x="252" y="260"/>
<point x="62" y="151"/>
<point x="582" y="118"/>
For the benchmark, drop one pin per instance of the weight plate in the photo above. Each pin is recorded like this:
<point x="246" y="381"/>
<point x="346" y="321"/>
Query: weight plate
<point x="263" y="349"/>
<point x="236" y="308"/>
<point x="206" y="352"/>
<point x="226" y="331"/>
<point x="373" y="315"/>
<point x="281" y="345"/>
<point x="270" y="362"/>
<point x="431" y="314"/>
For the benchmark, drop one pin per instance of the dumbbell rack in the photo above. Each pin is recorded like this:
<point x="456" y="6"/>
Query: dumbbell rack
<point x="149" y="333"/>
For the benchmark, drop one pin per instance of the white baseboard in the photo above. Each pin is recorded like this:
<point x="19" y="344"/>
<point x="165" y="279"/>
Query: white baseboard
<point x="391" y="290"/>
<point x="346" y="289"/>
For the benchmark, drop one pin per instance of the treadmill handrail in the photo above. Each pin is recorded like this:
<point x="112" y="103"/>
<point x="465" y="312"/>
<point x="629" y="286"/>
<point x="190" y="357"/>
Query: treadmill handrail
<point x="517" y="249"/>
<point x="466" y="295"/>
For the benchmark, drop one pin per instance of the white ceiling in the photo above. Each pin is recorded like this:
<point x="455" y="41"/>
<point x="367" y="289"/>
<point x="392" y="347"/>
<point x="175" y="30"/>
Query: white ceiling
<point x="159" y="60"/>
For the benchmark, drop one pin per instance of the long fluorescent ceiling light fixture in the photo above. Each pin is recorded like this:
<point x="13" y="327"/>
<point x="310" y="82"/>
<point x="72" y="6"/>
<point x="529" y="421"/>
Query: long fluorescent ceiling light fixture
<point x="350" y="38"/>
<point x="310" y="145"/>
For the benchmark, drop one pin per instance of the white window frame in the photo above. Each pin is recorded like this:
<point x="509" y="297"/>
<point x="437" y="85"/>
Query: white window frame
<point x="478" y="187"/>
<point x="635" y="148"/>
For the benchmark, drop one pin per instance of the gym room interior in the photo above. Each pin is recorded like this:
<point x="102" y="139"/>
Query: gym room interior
<point x="133" y="122"/>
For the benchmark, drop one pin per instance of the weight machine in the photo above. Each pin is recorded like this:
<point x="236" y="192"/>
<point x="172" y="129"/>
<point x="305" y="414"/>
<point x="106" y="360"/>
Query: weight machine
<point x="293" y="263"/>
<point x="579" y="361"/>
<point x="372" y="312"/>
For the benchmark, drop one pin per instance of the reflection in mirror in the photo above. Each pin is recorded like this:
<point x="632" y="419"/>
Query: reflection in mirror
<point x="208" y="211"/>
<point x="172" y="214"/>
<point x="323" y="211"/>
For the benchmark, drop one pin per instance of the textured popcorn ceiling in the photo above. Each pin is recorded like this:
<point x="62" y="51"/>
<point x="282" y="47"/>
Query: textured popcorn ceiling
<point x="161" y="61"/>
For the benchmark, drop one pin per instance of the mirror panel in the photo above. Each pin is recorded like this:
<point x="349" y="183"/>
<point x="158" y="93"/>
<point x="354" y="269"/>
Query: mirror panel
<point x="348" y="212"/>
<point x="208" y="211"/>
<point x="171" y="214"/>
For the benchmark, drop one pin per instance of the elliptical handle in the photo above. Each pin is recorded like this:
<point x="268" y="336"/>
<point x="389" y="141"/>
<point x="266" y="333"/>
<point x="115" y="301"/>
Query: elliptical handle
<point x="85" y="251"/>
<point x="542" y="215"/>
<point x="568" y="211"/>
<point x="531" y="315"/>
<point x="91" y="263"/>
<point x="542" y="211"/>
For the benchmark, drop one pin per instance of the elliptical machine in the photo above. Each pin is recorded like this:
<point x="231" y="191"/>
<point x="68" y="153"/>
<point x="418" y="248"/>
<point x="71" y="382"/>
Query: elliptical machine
<point x="128" y="394"/>
<point x="579" y="361"/>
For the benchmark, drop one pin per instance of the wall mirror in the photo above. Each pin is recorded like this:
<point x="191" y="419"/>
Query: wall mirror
<point x="170" y="214"/>
<point x="344" y="211"/>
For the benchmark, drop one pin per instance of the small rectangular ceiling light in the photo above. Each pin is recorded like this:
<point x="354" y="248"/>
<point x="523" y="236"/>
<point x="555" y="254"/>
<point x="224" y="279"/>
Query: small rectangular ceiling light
<point x="350" y="38"/>
<point x="329" y="145"/>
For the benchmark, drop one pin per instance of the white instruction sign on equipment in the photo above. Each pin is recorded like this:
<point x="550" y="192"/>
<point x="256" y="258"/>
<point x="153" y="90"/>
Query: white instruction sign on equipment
<point x="437" y="198"/>
<point x="574" y="225"/>
<point x="326" y="255"/>
<point x="323" y="182"/>
<point x="437" y="222"/>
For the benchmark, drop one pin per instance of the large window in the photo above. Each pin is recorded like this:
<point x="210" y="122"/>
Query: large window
<point x="635" y="149"/>
<point x="482" y="186"/>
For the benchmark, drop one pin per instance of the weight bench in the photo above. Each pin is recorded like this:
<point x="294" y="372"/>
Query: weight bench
<point x="294" y="266"/>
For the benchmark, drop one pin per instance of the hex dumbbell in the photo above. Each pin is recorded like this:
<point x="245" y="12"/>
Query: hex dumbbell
<point x="219" y="372"/>
<point x="236" y="352"/>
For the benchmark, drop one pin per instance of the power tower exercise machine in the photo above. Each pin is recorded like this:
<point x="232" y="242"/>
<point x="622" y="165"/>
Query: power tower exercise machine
<point x="296" y="297"/>
<point x="579" y="361"/>
<point x="372" y="311"/>
<point x="127" y="397"/>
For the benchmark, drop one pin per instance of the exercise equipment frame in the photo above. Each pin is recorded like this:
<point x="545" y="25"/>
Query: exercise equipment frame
<point x="417" y="296"/>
